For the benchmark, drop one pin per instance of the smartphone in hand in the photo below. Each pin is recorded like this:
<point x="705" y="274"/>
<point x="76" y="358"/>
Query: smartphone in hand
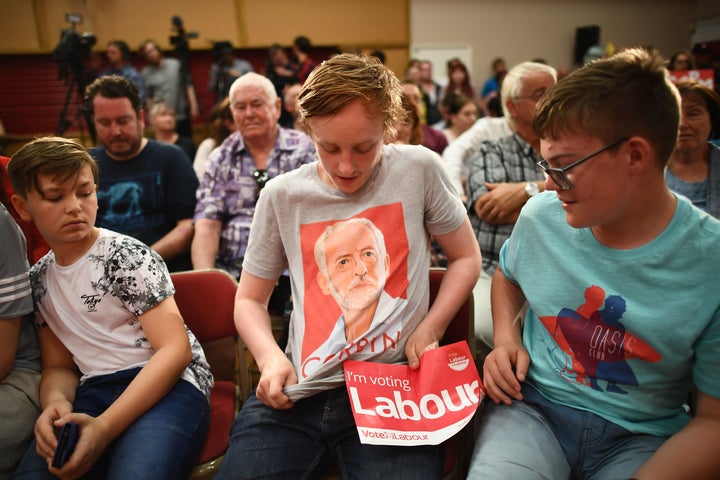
<point x="67" y="438"/>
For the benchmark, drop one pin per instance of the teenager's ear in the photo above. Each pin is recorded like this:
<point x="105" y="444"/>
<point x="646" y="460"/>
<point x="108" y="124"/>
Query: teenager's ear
<point x="20" y="205"/>
<point x="642" y="154"/>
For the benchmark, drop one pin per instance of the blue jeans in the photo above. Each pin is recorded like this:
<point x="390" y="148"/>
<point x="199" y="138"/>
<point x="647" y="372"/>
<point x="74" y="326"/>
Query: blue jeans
<point x="538" y="439"/>
<point x="164" y="443"/>
<point x="317" y="432"/>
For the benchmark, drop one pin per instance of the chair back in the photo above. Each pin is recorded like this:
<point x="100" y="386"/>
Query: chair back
<point x="206" y="300"/>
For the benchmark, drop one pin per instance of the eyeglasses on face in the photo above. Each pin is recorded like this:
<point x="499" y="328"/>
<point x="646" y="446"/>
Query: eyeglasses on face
<point x="261" y="177"/>
<point x="559" y="175"/>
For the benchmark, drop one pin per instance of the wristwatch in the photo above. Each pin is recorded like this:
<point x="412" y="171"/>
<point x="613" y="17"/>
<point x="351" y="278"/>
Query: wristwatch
<point x="531" y="189"/>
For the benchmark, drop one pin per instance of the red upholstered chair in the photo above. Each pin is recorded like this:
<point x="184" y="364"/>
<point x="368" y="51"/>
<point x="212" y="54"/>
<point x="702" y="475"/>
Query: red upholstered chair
<point x="458" y="449"/>
<point x="206" y="299"/>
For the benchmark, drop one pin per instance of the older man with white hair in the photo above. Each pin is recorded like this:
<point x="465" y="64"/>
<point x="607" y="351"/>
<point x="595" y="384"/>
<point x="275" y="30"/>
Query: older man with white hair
<point x="237" y="171"/>
<point x="503" y="175"/>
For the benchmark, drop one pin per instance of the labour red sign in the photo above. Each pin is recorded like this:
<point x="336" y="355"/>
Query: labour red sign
<point x="394" y="405"/>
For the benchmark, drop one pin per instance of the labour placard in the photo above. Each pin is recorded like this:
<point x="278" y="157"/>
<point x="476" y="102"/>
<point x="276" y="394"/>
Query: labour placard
<point x="394" y="405"/>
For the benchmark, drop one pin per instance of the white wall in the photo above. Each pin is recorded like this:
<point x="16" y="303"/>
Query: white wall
<point x="520" y="30"/>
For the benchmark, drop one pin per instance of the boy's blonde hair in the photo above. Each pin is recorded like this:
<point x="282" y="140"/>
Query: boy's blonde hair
<point x="337" y="82"/>
<point x="56" y="156"/>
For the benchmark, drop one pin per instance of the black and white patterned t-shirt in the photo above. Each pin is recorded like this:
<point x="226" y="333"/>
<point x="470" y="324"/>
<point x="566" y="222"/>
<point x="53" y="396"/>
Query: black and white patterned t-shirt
<point x="93" y="305"/>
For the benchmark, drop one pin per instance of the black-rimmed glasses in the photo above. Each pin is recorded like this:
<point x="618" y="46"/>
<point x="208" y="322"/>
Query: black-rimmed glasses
<point x="559" y="175"/>
<point x="261" y="177"/>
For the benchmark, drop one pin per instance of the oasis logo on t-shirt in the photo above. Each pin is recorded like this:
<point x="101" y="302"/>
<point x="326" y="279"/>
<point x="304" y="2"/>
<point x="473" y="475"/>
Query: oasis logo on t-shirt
<point x="91" y="301"/>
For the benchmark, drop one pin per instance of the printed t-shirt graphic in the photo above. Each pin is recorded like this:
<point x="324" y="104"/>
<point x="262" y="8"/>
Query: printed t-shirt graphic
<point x="597" y="343"/>
<point x="356" y="283"/>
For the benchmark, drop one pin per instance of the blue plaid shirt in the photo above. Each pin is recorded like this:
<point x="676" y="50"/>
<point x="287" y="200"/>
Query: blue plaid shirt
<point x="507" y="160"/>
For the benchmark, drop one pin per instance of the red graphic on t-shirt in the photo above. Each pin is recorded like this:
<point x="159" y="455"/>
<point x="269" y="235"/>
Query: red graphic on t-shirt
<point x="352" y="246"/>
<point x="596" y="342"/>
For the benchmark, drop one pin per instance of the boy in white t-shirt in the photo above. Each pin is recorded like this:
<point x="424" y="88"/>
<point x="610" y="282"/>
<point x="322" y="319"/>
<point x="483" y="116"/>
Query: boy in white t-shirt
<point x="117" y="359"/>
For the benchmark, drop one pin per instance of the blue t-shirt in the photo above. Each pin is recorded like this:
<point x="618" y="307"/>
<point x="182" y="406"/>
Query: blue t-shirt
<point x="144" y="197"/>
<point x="621" y="333"/>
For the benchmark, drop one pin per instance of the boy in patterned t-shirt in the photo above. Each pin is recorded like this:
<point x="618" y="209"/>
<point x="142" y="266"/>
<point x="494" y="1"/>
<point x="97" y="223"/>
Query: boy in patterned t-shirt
<point x="117" y="357"/>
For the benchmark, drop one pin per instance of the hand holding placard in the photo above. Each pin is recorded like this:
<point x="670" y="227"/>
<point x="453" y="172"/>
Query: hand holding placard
<point x="394" y="405"/>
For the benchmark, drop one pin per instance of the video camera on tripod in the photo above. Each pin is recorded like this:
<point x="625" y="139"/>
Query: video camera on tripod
<point x="182" y="50"/>
<point x="73" y="49"/>
<point x="70" y="53"/>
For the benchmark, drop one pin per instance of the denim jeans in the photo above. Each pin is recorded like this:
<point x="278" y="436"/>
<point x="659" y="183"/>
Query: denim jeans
<point x="163" y="443"/>
<point x="538" y="439"/>
<point x="317" y="432"/>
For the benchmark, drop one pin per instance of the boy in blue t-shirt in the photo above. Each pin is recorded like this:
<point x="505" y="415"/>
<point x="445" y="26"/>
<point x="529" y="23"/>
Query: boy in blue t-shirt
<point x="606" y="311"/>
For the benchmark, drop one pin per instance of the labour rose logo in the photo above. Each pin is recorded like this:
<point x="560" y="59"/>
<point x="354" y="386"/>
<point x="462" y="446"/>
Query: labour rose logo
<point x="457" y="359"/>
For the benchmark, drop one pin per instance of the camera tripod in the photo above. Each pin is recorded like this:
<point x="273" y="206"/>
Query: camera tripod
<point x="76" y="80"/>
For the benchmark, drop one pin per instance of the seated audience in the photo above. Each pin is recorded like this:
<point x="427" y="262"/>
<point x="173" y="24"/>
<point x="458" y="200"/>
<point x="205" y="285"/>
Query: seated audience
<point x="221" y="126"/>
<point x="117" y="359"/>
<point x="503" y="177"/>
<point x="694" y="167"/>
<point x="433" y="138"/>
<point x="146" y="188"/>
<point x="409" y="131"/>
<point x="492" y="84"/>
<point x="279" y="69"/>
<point x="490" y="92"/>
<point x="236" y="173"/>
<point x="681" y="61"/>
<point x="163" y="123"/>
<point x="458" y="80"/>
<point x="413" y="76"/>
<point x="461" y="112"/>
<point x="292" y="106"/>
